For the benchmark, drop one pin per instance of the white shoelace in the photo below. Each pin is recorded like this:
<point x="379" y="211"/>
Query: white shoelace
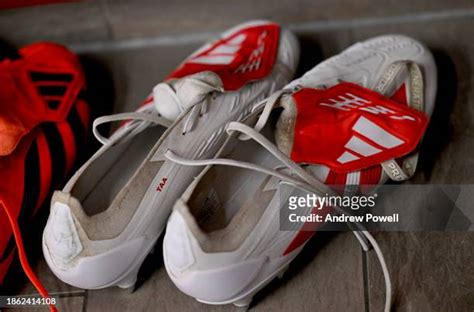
<point x="300" y="178"/>
<point x="140" y="120"/>
<point x="147" y="115"/>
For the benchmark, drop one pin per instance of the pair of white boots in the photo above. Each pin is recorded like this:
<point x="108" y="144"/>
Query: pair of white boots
<point x="214" y="145"/>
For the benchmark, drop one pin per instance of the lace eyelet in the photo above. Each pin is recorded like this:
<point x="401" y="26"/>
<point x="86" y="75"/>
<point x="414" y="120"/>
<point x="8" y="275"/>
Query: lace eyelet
<point x="297" y="88"/>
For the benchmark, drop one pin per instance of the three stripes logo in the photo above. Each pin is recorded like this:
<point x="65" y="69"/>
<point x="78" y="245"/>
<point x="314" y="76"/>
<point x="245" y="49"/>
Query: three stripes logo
<point x="361" y="146"/>
<point x="227" y="53"/>
<point x="364" y="128"/>
<point x="223" y="54"/>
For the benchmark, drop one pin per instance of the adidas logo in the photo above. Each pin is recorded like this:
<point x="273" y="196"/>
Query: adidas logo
<point x="223" y="54"/>
<point x="227" y="52"/>
<point x="359" y="147"/>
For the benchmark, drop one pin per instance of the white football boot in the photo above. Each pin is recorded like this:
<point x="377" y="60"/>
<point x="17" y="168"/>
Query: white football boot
<point x="107" y="218"/>
<point x="223" y="241"/>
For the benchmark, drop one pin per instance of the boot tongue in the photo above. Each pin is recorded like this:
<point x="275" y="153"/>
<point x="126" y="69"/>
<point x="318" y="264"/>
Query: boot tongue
<point x="173" y="97"/>
<point x="346" y="127"/>
<point x="395" y="84"/>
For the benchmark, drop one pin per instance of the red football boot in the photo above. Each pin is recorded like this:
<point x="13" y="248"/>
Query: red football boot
<point x="43" y="121"/>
